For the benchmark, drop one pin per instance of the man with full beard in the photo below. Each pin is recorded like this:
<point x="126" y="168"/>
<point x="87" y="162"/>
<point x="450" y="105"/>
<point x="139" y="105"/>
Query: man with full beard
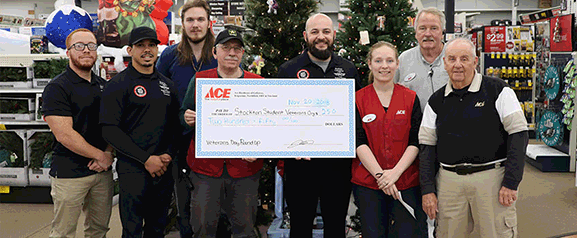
<point x="180" y="63"/>
<point x="308" y="180"/>
<point x="80" y="175"/>
<point x="421" y="68"/>
<point x="139" y="118"/>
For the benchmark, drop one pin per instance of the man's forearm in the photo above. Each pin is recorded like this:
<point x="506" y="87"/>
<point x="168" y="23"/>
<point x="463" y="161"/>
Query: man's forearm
<point x="123" y="143"/>
<point x="516" y="148"/>
<point x="428" y="168"/>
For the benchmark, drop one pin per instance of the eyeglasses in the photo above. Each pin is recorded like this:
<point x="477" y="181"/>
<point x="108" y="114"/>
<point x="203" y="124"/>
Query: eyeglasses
<point x="80" y="46"/>
<point x="227" y="48"/>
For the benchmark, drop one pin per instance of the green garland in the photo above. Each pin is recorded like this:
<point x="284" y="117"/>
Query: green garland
<point x="13" y="74"/>
<point x="49" y="68"/>
<point x="17" y="106"/>
<point x="41" y="146"/>
<point x="12" y="142"/>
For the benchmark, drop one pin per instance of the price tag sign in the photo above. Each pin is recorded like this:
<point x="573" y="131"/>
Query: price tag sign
<point x="495" y="39"/>
<point x="4" y="189"/>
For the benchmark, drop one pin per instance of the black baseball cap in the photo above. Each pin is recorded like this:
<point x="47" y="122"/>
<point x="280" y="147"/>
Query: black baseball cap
<point x="142" y="33"/>
<point x="227" y="35"/>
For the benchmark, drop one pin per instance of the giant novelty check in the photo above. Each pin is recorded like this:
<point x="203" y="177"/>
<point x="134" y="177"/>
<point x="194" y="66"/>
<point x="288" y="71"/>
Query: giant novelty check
<point x="275" y="118"/>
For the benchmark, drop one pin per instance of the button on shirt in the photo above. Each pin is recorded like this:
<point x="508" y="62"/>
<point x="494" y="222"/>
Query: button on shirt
<point x="70" y="95"/>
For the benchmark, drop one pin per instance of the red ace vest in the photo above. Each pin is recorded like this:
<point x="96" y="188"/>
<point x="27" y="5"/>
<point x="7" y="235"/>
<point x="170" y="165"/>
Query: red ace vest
<point x="388" y="135"/>
<point x="236" y="168"/>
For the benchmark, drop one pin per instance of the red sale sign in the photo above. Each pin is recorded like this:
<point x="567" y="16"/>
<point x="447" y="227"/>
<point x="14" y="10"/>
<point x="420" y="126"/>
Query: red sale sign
<point x="494" y="39"/>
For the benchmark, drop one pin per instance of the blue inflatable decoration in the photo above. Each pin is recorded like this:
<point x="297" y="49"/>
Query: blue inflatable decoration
<point x="65" y="20"/>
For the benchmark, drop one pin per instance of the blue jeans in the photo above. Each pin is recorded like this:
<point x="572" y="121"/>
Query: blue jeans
<point x="382" y="216"/>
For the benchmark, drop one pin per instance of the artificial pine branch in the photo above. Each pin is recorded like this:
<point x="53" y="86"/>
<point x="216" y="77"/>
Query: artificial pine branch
<point x="41" y="145"/>
<point x="12" y="142"/>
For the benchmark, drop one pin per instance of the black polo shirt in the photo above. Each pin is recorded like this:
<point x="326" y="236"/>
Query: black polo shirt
<point x="302" y="67"/>
<point x="145" y="108"/>
<point x="473" y="125"/>
<point x="70" y="95"/>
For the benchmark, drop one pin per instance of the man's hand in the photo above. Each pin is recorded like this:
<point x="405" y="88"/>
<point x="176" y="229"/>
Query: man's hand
<point x="303" y="158"/>
<point x="190" y="117"/>
<point x="430" y="205"/>
<point x="507" y="196"/>
<point x="165" y="158"/>
<point x="106" y="160"/>
<point x="155" y="166"/>
<point x="250" y="160"/>
<point x="94" y="166"/>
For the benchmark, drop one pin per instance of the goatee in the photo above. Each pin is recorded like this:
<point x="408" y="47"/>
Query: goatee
<point x="320" y="54"/>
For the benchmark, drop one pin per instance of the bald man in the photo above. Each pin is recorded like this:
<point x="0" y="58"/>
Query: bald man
<point x="306" y="180"/>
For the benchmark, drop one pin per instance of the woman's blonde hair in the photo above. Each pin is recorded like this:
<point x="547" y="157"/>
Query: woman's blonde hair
<point x="370" y="55"/>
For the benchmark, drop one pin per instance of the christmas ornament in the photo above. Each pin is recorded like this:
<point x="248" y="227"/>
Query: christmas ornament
<point x="557" y="31"/>
<point x="272" y="6"/>
<point x="381" y="25"/>
<point x="63" y="21"/>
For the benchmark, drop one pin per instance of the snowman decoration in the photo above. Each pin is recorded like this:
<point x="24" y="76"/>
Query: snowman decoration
<point x="272" y="6"/>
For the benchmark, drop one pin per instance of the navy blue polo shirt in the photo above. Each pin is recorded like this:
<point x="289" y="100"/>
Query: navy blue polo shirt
<point x="302" y="67"/>
<point x="145" y="107"/>
<point x="70" y="95"/>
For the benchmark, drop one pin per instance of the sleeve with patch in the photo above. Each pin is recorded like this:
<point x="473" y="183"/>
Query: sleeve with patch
<point x="510" y="111"/>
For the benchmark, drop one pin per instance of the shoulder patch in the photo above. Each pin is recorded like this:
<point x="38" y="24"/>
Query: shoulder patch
<point x="410" y="77"/>
<point x="303" y="74"/>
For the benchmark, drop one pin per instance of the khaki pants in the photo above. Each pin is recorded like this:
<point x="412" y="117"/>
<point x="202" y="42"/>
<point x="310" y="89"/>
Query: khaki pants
<point x="91" y="194"/>
<point x="471" y="202"/>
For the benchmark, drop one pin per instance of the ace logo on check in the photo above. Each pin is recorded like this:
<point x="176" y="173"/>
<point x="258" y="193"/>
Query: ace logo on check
<point x="218" y="93"/>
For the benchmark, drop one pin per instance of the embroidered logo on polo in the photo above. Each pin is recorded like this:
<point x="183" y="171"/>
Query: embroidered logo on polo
<point x="139" y="91"/>
<point x="369" y="118"/>
<point x="410" y="77"/>
<point x="164" y="88"/>
<point x="339" y="73"/>
<point x="400" y="112"/>
<point x="303" y="74"/>
<point x="480" y="104"/>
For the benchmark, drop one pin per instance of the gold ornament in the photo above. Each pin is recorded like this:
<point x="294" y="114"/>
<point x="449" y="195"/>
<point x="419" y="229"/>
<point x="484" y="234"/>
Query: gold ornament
<point x="145" y="2"/>
<point x="135" y="14"/>
<point x="124" y="14"/>
<point x="115" y="2"/>
<point x="141" y="8"/>
<point x="117" y="9"/>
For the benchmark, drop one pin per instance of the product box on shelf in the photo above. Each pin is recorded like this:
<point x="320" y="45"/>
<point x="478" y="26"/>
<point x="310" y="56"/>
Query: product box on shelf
<point x="46" y="69"/>
<point x="40" y="156"/>
<point x="13" y="163"/>
<point x="38" y="44"/>
<point x="15" y="77"/>
<point x="16" y="109"/>
<point x="38" y="111"/>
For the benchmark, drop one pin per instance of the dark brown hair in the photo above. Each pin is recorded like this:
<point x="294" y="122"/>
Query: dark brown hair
<point x="185" y="53"/>
<point x="373" y="48"/>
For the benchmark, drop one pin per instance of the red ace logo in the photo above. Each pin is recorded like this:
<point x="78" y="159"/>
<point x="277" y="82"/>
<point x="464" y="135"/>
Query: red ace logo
<point x="218" y="93"/>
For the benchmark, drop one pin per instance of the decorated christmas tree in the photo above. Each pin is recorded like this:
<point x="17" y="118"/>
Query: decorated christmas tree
<point x="369" y="21"/>
<point x="278" y="36"/>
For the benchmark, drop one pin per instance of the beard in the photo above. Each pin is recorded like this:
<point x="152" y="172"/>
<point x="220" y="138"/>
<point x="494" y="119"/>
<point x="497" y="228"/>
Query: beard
<point x="197" y="40"/>
<point x="82" y="65"/>
<point x="320" y="54"/>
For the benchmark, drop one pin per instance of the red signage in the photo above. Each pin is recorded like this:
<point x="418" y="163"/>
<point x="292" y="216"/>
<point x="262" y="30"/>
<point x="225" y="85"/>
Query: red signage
<point x="560" y="38"/>
<point x="494" y="39"/>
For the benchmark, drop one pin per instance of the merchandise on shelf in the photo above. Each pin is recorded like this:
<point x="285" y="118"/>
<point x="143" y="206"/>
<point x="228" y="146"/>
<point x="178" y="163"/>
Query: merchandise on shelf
<point x="19" y="109"/>
<point x="40" y="156"/>
<point x="44" y="70"/>
<point x="15" y="77"/>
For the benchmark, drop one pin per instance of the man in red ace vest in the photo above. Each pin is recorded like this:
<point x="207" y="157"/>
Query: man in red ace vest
<point x="238" y="177"/>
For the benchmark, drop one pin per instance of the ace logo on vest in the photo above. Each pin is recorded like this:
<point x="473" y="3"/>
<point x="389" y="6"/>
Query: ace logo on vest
<point x="218" y="94"/>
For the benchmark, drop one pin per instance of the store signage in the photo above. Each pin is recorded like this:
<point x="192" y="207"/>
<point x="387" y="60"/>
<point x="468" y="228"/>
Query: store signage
<point x="237" y="7"/>
<point x="7" y="20"/>
<point x="494" y="39"/>
<point x="565" y="32"/>
<point x="218" y="8"/>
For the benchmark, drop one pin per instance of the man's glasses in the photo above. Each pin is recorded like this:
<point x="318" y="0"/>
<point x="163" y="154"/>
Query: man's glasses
<point x="80" y="46"/>
<point x="227" y="48"/>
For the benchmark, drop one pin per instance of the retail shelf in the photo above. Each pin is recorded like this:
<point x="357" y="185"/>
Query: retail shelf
<point x="25" y="60"/>
<point x="22" y="123"/>
<point x="22" y="90"/>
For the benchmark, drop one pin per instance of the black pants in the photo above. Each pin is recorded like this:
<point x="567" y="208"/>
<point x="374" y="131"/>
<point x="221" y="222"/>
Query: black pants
<point x="144" y="200"/>
<point x="183" y="187"/>
<point x="305" y="183"/>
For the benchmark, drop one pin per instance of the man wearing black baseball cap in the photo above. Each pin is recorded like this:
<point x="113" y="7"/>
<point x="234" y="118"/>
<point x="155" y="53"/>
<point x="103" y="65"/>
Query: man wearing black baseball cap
<point x="139" y="118"/>
<point x="230" y="184"/>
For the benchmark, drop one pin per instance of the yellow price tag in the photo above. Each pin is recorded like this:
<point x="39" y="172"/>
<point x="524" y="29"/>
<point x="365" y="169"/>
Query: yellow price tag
<point x="492" y="55"/>
<point x="2" y="127"/>
<point x="4" y="189"/>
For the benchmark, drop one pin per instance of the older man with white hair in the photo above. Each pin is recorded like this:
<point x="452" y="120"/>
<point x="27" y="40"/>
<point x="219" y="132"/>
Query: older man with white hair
<point x="475" y="130"/>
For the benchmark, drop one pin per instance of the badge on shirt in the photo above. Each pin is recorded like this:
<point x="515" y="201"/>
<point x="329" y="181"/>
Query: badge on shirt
<point x="410" y="77"/>
<point x="164" y="88"/>
<point x="369" y="118"/>
<point x="303" y="74"/>
<point x="339" y="73"/>
<point x="140" y="91"/>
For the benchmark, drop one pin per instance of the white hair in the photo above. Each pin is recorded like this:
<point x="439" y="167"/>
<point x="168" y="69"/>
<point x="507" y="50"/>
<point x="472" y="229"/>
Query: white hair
<point x="463" y="40"/>
<point x="434" y="11"/>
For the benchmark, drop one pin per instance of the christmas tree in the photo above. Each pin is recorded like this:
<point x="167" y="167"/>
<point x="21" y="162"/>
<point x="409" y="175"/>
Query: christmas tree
<point x="381" y="20"/>
<point x="278" y="36"/>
